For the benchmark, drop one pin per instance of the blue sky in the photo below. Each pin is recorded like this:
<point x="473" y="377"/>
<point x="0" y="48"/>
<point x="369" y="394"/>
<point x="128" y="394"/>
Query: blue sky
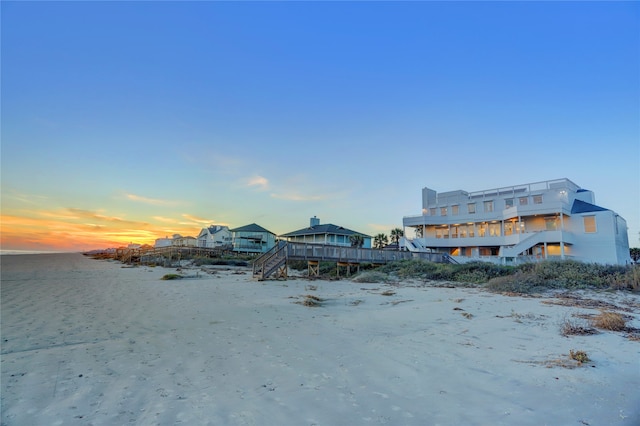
<point x="128" y="121"/>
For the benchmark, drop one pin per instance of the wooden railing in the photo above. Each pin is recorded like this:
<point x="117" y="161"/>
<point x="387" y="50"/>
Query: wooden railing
<point x="321" y="252"/>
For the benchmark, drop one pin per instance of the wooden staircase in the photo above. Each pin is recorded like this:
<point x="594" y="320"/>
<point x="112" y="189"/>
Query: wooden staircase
<point x="272" y="262"/>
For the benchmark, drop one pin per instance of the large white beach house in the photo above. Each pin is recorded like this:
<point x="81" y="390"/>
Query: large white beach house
<point x="521" y="223"/>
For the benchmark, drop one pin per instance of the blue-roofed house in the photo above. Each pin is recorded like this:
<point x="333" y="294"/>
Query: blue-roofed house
<point x="252" y="239"/>
<point x="553" y="219"/>
<point x="330" y="234"/>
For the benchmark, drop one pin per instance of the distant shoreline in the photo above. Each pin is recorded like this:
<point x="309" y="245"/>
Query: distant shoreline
<point x="17" y="252"/>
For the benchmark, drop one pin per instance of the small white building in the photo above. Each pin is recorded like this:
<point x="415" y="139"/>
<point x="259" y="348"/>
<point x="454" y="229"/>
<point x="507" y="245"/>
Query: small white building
<point x="163" y="242"/>
<point x="215" y="236"/>
<point x="522" y="223"/>
<point x="176" y="241"/>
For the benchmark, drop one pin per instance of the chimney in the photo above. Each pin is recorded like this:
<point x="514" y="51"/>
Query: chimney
<point x="314" y="222"/>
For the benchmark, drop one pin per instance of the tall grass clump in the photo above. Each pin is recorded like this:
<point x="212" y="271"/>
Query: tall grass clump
<point x="566" y="274"/>
<point x="609" y="321"/>
<point x="473" y="272"/>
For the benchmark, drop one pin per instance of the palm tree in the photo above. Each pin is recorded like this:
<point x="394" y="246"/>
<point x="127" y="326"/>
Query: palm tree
<point x="380" y="240"/>
<point x="356" y="240"/>
<point x="396" y="234"/>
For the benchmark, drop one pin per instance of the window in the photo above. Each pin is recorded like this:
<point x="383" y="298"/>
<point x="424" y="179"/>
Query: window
<point x="551" y="224"/>
<point x="508" y="203"/>
<point x="432" y="211"/>
<point x="537" y="199"/>
<point x="589" y="224"/>
<point x="523" y="201"/>
<point x="443" y="211"/>
<point x="488" y="206"/>
<point x="508" y="228"/>
<point x="471" y="208"/>
<point x="455" y="210"/>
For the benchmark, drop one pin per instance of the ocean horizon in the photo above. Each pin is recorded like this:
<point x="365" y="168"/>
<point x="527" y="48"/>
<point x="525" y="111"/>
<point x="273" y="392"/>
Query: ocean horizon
<point x="14" y="252"/>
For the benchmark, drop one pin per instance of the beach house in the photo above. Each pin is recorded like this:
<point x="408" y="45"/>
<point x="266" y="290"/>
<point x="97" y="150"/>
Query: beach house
<point x="176" y="240"/>
<point x="554" y="219"/>
<point x="325" y="234"/>
<point x="215" y="236"/>
<point x="252" y="239"/>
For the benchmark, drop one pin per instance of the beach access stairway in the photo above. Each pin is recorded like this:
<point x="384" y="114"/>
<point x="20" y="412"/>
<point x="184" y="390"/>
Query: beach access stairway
<point x="515" y="250"/>
<point x="272" y="262"/>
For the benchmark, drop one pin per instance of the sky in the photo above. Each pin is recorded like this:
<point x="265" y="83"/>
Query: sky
<point x="123" y="122"/>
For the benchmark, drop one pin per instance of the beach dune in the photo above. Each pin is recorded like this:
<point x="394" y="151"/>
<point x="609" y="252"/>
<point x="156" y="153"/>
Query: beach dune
<point x="92" y="342"/>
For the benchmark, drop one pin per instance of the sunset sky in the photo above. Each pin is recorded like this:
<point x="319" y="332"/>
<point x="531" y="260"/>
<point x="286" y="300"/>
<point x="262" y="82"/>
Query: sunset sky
<point x="129" y="121"/>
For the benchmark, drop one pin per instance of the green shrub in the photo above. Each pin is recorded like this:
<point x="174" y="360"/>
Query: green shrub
<point x="199" y="261"/>
<point x="371" y="277"/>
<point x="171" y="277"/>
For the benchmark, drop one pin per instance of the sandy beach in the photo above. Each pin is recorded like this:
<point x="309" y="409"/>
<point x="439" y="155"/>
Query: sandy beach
<point x="91" y="342"/>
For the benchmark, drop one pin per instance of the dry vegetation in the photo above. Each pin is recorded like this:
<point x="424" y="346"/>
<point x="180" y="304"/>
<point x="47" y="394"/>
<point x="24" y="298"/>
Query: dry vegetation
<point x="612" y="321"/>
<point x="575" y="327"/>
<point x="574" y="359"/>
<point x="310" y="301"/>
<point x="580" y="356"/>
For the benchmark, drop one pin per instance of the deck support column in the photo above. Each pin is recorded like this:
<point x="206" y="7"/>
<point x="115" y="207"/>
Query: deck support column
<point x="314" y="267"/>
<point x="561" y="236"/>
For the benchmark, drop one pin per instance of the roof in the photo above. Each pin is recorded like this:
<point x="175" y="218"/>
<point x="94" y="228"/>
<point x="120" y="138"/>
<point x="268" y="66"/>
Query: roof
<point x="324" y="229"/>
<point x="584" y="207"/>
<point x="251" y="228"/>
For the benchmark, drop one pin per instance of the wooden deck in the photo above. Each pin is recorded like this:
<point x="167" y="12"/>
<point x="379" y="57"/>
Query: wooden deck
<point x="274" y="262"/>
<point x="166" y="255"/>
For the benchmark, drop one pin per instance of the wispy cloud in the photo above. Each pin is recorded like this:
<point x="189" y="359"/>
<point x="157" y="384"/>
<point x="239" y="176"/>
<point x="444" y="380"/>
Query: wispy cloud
<point x="164" y="219"/>
<point x="198" y="220"/>
<point x="152" y="201"/>
<point x="27" y="198"/>
<point x="293" y="196"/>
<point x="78" y="213"/>
<point x="259" y="182"/>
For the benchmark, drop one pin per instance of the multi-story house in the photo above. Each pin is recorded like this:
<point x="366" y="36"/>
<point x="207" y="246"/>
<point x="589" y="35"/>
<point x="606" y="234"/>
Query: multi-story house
<point x="542" y="220"/>
<point x="215" y="236"/>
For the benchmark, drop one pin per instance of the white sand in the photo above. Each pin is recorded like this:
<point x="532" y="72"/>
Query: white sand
<point x="89" y="342"/>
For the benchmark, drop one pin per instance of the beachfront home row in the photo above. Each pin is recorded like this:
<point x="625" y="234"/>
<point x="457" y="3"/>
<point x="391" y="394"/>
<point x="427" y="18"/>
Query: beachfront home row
<point x="247" y="239"/>
<point x="255" y="239"/>
<point x="515" y="224"/>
